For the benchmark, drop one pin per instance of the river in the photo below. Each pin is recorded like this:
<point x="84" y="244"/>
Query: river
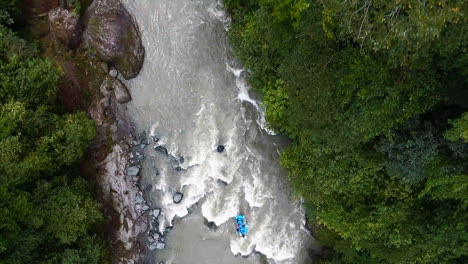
<point x="193" y="97"/>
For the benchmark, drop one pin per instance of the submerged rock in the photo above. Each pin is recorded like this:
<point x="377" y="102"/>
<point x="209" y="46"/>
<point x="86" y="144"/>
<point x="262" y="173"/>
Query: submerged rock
<point x="220" y="148"/>
<point x="221" y="182"/>
<point x="114" y="34"/>
<point x="211" y="225"/>
<point x="178" y="196"/>
<point x="121" y="92"/>
<point x="65" y="26"/>
<point x="162" y="149"/>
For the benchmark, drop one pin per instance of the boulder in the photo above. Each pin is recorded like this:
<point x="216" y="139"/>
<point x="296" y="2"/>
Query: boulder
<point x="178" y="196"/>
<point x="139" y="199"/>
<point x="145" y="207"/>
<point x="160" y="245"/>
<point x="156" y="236"/>
<point x="65" y="26"/>
<point x="113" y="73"/>
<point x="220" y="148"/>
<point x="152" y="246"/>
<point x="133" y="171"/>
<point x="121" y="92"/>
<point x="114" y="34"/>
<point x="156" y="212"/>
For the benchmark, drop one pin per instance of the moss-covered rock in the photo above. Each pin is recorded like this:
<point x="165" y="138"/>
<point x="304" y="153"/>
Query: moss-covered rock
<point x="114" y="35"/>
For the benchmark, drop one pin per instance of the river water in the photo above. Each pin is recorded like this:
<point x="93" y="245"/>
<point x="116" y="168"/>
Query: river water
<point x="192" y="95"/>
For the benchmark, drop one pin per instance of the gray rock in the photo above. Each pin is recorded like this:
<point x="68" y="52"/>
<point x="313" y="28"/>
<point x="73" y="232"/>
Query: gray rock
<point x="160" y="245"/>
<point x="156" y="212"/>
<point x="121" y="92"/>
<point x="220" y="148"/>
<point x="65" y="26"/>
<point x="133" y="171"/>
<point x="178" y="196"/>
<point x="152" y="246"/>
<point x="139" y="199"/>
<point x="114" y="34"/>
<point x="113" y="73"/>
<point x="156" y="236"/>
<point x="145" y="208"/>
<point x="106" y="87"/>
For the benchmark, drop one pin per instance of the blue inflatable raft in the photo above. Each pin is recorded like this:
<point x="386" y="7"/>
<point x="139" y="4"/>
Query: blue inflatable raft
<point x="241" y="225"/>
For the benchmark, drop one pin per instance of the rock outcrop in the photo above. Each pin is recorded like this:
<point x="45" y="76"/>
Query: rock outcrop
<point x="65" y="26"/>
<point x="113" y="33"/>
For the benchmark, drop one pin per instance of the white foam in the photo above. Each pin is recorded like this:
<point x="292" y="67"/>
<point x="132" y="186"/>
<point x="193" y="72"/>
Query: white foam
<point x="244" y="96"/>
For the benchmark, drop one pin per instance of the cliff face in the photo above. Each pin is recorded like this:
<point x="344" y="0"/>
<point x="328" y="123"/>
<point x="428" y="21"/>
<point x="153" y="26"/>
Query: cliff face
<point x="93" y="51"/>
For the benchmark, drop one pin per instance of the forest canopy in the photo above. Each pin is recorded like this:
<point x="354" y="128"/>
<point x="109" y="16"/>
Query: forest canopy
<point x="47" y="210"/>
<point x="374" y="95"/>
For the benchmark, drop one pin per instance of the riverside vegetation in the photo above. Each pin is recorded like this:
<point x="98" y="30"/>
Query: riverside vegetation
<point x="47" y="210"/>
<point x="373" y="94"/>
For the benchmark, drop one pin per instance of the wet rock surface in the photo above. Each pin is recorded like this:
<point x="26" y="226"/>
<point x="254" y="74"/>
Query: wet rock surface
<point x="177" y="198"/>
<point x="113" y="33"/>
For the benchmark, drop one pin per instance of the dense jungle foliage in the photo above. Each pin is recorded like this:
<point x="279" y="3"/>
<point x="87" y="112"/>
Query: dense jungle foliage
<point x="47" y="211"/>
<point x="374" y="95"/>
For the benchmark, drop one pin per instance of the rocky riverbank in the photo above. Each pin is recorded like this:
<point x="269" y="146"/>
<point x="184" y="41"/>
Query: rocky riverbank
<point x="94" y="51"/>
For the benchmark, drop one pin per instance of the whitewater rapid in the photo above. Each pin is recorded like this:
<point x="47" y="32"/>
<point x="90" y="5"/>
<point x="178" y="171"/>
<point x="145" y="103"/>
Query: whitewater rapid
<point x="193" y="96"/>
